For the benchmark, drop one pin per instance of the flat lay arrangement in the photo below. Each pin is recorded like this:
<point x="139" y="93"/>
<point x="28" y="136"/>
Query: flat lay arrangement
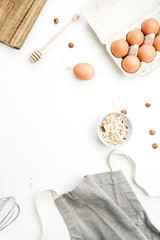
<point x="80" y="131"/>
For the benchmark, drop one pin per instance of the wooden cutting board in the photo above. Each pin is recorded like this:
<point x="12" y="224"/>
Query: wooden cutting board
<point x="17" y="18"/>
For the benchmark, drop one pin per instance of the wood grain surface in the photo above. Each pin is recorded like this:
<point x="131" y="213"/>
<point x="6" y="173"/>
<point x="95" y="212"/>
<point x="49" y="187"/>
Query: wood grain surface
<point x="17" y="18"/>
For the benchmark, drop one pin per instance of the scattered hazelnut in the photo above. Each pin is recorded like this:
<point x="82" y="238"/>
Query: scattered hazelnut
<point x="56" y="20"/>
<point x="148" y="105"/>
<point x="124" y="111"/>
<point x="70" y="45"/>
<point x="152" y="132"/>
<point x="154" y="145"/>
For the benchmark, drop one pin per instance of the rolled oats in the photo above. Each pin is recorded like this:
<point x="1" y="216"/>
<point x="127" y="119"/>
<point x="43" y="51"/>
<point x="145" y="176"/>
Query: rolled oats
<point x="113" y="129"/>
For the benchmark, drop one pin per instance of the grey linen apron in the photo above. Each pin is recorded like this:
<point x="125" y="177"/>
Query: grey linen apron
<point x="104" y="207"/>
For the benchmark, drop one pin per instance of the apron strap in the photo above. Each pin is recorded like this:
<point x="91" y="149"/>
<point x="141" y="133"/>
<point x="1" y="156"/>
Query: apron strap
<point x="113" y="167"/>
<point x="38" y="204"/>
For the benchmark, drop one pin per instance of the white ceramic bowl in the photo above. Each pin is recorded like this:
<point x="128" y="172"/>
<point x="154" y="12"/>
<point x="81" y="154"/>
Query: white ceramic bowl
<point x="126" y="121"/>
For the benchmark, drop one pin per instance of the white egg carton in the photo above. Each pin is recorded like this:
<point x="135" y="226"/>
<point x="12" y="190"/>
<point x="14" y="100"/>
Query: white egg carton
<point x="113" y="19"/>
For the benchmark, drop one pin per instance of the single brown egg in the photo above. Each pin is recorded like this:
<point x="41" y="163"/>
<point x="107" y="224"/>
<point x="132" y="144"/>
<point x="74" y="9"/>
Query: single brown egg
<point x="120" y="48"/>
<point x="84" y="71"/>
<point x="135" y="37"/>
<point x="156" y="43"/>
<point x="131" y="64"/>
<point x="149" y="26"/>
<point x="146" y="53"/>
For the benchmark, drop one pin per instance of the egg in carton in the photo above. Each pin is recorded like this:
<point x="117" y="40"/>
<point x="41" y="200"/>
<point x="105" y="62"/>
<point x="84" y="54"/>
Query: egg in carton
<point x="114" y="19"/>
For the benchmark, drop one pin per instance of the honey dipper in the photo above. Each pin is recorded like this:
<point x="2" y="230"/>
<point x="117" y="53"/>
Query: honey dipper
<point x="37" y="55"/>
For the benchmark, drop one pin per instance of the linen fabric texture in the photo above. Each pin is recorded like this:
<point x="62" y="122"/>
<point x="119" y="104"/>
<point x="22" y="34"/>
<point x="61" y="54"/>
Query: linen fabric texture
<point x="104" y="207"/>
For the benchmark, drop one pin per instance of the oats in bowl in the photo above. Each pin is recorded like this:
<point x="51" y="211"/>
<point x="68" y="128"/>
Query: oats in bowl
<point x="115" y="129"/>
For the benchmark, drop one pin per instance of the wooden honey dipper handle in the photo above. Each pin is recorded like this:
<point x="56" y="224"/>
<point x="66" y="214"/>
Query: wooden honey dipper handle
<point x="75" y="18"/>
<point x="36" y="55"/>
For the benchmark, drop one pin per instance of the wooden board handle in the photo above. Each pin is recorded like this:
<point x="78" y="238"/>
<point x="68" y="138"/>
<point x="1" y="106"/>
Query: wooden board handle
<point x="17" y="18"/>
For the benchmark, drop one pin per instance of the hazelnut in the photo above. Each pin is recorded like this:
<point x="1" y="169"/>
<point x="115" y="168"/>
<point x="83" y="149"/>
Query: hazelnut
<point x="148" y="105"/>
<point x="152" y="132"/>
<point x="103" y="129"/>
<point x="124" y="111"/>
<point x="56" y="20"/>
<point x="70" y="45"/>
<point x="154" y="145"/>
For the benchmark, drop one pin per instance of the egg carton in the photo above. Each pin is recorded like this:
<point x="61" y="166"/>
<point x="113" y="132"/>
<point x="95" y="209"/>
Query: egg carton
<point x="113" y="19"/>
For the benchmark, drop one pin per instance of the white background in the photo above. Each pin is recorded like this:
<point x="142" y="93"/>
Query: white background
<point x="49" y="119"/>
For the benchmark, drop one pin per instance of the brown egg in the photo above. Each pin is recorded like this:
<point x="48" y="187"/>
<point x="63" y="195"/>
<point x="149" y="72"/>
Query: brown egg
<point x="131" y="64"/>
<point x="120" y="48"/>
<point x="156" y="43"/>
<point x="149" y="26"/>
<point x="146" y="53"/>
<point x="84" y="71"/>
<point x="135" y="37"/>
